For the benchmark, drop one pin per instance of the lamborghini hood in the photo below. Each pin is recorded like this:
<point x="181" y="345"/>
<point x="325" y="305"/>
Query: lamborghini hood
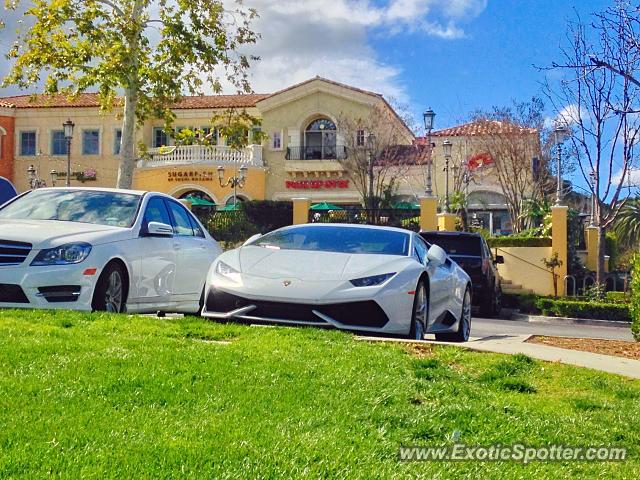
<point x="312" y="266"/>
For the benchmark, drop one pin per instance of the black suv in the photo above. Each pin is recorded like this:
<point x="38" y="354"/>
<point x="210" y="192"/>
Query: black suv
<point x="470" y="251"/>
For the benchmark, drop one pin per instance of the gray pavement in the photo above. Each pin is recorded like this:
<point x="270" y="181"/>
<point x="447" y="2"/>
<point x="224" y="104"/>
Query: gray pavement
<point x="485" y="327"/>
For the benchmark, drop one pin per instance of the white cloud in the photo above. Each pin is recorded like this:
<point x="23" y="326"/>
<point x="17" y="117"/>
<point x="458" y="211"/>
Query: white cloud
<point x="304" y="38"/>
<point x="330" y="38"/>
<point x="568" y="116"/>
<point x="632" y="179"/>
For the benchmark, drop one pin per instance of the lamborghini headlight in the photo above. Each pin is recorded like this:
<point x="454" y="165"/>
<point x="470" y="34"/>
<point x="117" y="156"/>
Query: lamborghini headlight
<point x="228" y="271"/>
<point x="372" y="281"/>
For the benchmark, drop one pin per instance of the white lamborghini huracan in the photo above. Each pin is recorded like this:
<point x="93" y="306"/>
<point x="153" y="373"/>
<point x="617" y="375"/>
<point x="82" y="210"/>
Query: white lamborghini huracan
<point x="353" y="277"/>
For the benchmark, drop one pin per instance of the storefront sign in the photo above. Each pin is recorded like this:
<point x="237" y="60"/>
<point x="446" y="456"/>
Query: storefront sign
<point x="316" y="184"/>
<point x="190" y="175"/>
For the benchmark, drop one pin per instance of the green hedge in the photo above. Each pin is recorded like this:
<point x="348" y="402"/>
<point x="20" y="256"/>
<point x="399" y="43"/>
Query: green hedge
<point x="536" y="305"/>
<point x="616" y="297"/>
<point x="495" y="242"/>
<point x="635" y="297"/>
<point x="576" y="309"/>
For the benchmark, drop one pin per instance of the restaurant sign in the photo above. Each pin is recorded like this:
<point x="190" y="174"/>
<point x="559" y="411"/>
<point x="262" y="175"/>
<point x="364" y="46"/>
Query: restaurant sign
<point x="190" y="175"/>
<point x="316" y="184"/>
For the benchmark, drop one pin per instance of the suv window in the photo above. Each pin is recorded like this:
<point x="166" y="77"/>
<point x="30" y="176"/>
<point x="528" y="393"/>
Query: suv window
<point x="156" y="212"/>
<point x="182" y="224"/>
<point x="455" y="244"/>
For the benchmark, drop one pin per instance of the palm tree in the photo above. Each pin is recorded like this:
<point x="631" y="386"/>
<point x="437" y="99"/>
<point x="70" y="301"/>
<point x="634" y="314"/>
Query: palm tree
<point x="627" y="225"/>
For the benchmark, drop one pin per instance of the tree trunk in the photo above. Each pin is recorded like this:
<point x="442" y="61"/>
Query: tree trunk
<point x="127" y="146"/>
<point x="602" y="250"/>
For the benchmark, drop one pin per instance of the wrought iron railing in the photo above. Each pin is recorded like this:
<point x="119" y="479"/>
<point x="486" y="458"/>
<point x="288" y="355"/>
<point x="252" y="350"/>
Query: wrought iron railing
<point x="308" y="152"/>
<point x="409" y="219"/>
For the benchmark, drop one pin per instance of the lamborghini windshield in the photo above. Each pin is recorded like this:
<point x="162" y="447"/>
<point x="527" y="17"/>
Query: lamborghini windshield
<point x="340" y="239"/>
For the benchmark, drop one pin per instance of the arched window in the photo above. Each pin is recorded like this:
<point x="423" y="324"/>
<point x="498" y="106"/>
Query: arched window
<point x="320" y="140"/>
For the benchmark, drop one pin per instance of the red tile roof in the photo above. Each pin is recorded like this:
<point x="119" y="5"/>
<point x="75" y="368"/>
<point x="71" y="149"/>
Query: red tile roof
<point x="92" y="100"/>
<point x="220" y="101"/>
<point x="478" y="128"/>
<point x="405" y="155"/>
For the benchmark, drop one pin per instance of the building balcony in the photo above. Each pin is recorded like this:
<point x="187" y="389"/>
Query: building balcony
<point x="335" y="152"/>
<point x="250" y="156"/>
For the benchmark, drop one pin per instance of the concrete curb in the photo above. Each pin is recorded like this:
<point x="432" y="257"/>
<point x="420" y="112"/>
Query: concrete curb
<point x="512" y="344"/>
<point x="569" y="321"/>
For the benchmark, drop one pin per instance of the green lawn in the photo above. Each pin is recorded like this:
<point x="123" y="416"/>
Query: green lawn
<point x="99" y="396"/>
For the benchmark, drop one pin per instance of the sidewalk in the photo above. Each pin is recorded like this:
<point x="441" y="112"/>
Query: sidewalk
<point x="512" y="344"/>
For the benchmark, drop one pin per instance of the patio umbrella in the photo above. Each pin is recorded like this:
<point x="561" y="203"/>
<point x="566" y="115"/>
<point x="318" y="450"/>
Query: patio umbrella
<point x="325" y="206"/>
<point x="230" y="208"/>
<point x="406" y="206"/>
<point x="199" y="202"/>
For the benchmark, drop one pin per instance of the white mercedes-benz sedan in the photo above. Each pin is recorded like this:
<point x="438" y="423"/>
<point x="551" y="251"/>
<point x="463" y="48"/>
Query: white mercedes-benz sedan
<point x="102" y="249"/>
<point x="352" y="277"/>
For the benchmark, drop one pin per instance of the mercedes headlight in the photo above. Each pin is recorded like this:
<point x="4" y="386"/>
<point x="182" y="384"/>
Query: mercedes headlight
<point x="68" y="254"/>
<point x="371" y="281"/>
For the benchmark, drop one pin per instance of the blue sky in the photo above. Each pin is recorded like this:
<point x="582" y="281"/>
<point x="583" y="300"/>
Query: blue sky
<point x="490" y="65"/>
<point x="452" y="55"/>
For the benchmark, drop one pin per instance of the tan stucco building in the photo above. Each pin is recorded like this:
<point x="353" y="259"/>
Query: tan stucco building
<point x="300" y="156"/>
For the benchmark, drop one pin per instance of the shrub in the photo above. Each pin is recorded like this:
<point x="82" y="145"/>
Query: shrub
<point x="635" y="298"/>
<point x="576" y="309"/>
<point x="494" y="242"/>
<point x="525" y="303"/>
<point x="617" y="297"/>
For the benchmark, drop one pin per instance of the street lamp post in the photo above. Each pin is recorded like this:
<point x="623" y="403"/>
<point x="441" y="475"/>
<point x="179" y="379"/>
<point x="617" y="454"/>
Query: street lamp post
<point x="592" y="178"/>
<point x="234" y="181"/>
<point x="371" y="142"/>
<point x="560" y="133"/>
<point x="429" y="116"/>
<point x="68" y="135"/>
<point x="446" y="146"/>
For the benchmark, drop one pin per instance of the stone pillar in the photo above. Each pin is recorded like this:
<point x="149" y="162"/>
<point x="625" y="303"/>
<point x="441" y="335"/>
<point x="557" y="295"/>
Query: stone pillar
<point x="559" y="242"/>
<point x="591" y="239"/>
<point x="301" y="210"/>
<point x="429" y="213"/>
<point x="447" y="222"/>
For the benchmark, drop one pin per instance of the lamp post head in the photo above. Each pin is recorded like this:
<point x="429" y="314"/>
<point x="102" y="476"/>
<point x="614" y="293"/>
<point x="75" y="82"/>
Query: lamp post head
<point x="428" y="117"/>
<point x="220" y="172"/>
<point x="561" y="132"/>
<point x="446" y="146"/>
<point x="243" y="172"/>
<point x="371" y="140"/>
<point x="31" y="172"/>
<point x="68" y="129"/>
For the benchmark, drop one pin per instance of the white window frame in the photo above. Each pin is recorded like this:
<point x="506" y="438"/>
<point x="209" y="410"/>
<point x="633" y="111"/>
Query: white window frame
<point x="115" y="136"/>
<point x="100" y="139"/>
<point x="51" y="143"/>
<point x="272" y="146"/>
<point x="19" y="141"/>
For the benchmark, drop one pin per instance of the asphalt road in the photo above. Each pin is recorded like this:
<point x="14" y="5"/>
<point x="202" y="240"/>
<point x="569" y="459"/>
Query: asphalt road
<point x="484" y="327"/>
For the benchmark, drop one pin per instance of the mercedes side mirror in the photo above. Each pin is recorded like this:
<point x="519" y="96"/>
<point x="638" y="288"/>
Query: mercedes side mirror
<point x="157" y="229"/>
<point x="436" y="256"/>
<point x="499" y="259"/>
<point x="251" y="239"/>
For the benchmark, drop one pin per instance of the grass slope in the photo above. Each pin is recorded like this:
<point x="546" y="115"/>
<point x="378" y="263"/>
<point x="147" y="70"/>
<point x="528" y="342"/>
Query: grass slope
<point x="99" y="396"/>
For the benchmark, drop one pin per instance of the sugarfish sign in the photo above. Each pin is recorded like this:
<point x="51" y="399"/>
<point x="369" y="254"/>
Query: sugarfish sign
<point x="316" y="184"/>
<point x="190" y="175"/>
